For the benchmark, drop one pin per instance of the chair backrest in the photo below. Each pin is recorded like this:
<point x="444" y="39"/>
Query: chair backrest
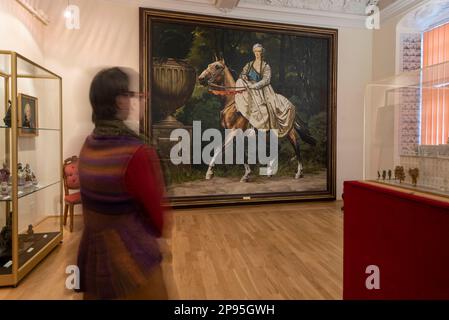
<point x="70" y="174"/>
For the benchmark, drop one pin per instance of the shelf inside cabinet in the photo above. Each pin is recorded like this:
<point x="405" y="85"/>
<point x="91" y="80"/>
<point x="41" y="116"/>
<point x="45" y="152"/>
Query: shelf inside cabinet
<point x="38" y="129"/>
<point x="28" y="248"/>
<point x="25" y="191"/>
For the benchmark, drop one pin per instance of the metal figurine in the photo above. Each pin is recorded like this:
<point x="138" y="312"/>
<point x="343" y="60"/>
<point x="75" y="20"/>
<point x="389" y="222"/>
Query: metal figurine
<point x="399" y="173"/>
<point x="389" y="174"/>
<point x="30" y="233"/>
<point x="7" y="118"/>
<point x="384" y="174"/>
<point x="414" y="174"/>
<point x="6" y="240"/>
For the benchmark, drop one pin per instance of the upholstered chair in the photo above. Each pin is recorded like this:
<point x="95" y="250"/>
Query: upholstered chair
<point x="71" y="182"/>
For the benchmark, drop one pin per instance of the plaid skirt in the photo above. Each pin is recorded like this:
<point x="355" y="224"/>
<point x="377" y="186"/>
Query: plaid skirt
<point x="117" y="254"/>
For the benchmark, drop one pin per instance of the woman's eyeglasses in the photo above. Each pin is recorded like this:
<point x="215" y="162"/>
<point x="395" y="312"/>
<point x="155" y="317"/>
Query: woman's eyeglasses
<point x="133" y="94"/>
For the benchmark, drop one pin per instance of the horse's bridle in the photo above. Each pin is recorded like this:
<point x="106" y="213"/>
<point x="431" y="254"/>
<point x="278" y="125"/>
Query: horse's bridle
<point x="216" y="87"/>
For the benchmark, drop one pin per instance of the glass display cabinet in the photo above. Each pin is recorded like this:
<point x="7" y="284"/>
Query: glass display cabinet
<point x="30" y="165"/>
<point x="406" y="137"/>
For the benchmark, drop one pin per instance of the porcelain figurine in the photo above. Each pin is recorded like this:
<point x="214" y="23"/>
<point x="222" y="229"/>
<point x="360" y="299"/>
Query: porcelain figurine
<point x="20" y="175"/>
<point x="27" y="171"/>
<point x="34" y="179"/>
<point x="28" y="176"/>
<point x="4" y="188"/>
<point x="4" y="173"/>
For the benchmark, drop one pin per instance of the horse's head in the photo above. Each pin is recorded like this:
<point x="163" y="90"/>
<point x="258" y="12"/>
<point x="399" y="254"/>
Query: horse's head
<point x="214" y="73"/>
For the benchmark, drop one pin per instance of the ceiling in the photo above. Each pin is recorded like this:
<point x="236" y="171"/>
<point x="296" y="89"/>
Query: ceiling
<point x="353" y="7"/>
<point x="429" y="15"/>
<point x="332" y="13"/>
<point x="385" y="3"/>
<point x="343" y="6"/>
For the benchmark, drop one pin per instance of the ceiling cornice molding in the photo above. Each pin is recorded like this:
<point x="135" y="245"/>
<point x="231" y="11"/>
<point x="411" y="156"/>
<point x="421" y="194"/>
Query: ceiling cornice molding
<point x="261" y="12"/>
<point x="400" y="7"/>
<point x="357" y="7"/>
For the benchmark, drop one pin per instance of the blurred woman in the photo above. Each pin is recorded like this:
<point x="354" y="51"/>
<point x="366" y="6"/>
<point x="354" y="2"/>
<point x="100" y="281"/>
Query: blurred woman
<point x="122" y="190"/>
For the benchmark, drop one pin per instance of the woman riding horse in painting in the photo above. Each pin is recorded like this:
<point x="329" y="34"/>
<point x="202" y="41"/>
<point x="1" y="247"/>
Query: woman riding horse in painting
<point x="263" y="108"/>
<point x="252" y="102"/>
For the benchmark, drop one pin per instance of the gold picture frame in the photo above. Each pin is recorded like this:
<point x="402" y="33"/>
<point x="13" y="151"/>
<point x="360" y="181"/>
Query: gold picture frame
<point x="151" y="19"/>
<point x="28" y="116"/>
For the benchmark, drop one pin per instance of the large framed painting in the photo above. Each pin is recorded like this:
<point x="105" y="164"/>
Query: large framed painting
<point x="240" y="111"/>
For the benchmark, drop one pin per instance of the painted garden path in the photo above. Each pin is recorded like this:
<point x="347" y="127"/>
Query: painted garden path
<point x="259" y="184"/>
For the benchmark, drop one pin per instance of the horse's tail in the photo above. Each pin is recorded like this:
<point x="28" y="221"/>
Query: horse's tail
<point x="303" y="131"/>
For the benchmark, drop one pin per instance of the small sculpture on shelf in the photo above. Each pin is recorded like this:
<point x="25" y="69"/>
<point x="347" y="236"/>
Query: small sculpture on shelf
<point x="414" y="174"/>
<point x="28" y="175"/>
<point x="7" y="118"/>
<point x="4" y="173"/>
<point x="4" y="191"/>
<point x="6" y="240"/>
<point x="389" y="174"/>
<point x="378" y="175"/>
<point x="27" y="172"/>
<point x="25" y="176"/>
<point x="30" y="233"/>
<point x="31" y="177"/>
<point x="399" y="173"/>
<point x="34" y="179"/>
<point x="20" y="174"/>
<point x="4" y="179"/>
<point x="384" y="174"/>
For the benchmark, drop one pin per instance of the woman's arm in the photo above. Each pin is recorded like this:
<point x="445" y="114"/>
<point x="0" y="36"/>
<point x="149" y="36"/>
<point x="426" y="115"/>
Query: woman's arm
<point x="144" y="182"/>
<point x="266" y="78"/>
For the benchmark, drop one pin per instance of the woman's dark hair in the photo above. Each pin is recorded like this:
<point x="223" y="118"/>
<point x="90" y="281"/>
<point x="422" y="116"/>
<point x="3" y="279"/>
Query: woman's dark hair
<point x="107" y="85"/>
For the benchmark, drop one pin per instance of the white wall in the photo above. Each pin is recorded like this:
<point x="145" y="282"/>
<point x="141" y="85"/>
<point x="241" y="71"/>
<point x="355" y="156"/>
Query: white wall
<point x="354" y="72"/>
<point x="109" y="36"/>
<point x="20" y="32"/>
<point x="384" y="50"/>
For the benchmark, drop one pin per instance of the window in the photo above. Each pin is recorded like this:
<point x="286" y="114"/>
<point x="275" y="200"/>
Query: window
<point x="435" y="94"/>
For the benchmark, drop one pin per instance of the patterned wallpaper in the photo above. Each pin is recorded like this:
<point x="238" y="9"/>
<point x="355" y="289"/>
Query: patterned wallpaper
<point x="409" y="108"/>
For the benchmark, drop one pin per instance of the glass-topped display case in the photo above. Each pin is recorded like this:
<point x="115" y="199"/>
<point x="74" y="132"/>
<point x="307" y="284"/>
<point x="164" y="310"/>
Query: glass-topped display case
<point x="30" y="165"/>
<point x="406" y="137"/>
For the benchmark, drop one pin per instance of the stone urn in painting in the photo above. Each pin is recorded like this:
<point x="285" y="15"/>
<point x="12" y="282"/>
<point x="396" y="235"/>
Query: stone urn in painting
<point x="173" y="82"/>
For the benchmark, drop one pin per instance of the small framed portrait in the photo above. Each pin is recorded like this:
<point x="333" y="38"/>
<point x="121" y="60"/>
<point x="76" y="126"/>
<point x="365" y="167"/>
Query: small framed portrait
<point x="28" y="116"/>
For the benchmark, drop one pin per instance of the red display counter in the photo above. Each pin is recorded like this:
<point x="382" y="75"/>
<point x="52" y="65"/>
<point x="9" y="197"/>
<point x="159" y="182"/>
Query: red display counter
<point x="403" y="233"/>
